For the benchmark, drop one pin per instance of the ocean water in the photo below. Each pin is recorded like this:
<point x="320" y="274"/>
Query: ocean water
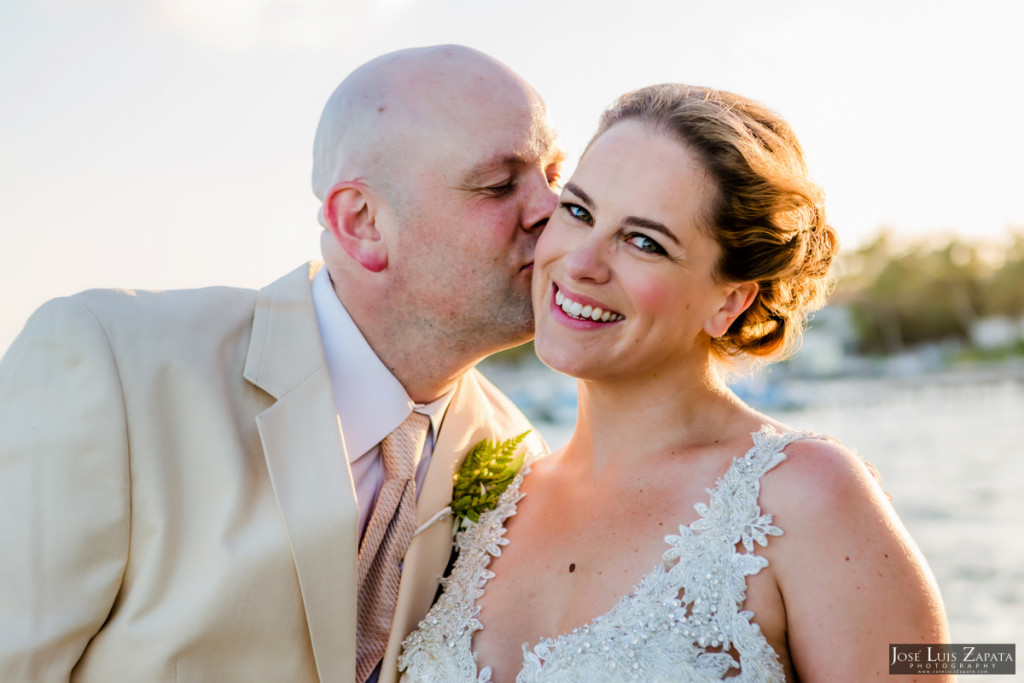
<point x="950" y="451"/>
<point x="951" y="454"/>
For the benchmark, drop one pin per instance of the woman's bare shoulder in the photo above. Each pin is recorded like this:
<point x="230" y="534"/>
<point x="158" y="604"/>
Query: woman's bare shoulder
<point x="844" y="560"/>
<point x="821" y="475"/>
<point x="833" y="512"/>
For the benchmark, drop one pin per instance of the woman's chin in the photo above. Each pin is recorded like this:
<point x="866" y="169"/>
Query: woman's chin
<point x="567" y="361"/>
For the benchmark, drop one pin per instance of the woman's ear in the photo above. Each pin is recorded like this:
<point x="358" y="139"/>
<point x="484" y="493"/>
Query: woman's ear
<point x="737" y="299"/>
<point x="350" y="213"/>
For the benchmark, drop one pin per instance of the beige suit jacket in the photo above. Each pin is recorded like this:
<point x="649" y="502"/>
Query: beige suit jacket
<point x="175" y="499"/>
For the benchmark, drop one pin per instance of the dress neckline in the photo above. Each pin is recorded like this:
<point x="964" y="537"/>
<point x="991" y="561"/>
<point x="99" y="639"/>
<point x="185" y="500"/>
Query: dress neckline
<point x="507" y="508"/>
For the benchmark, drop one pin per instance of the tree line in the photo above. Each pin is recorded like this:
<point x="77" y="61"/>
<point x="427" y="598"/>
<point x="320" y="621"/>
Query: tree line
<point x="904" y="294"/>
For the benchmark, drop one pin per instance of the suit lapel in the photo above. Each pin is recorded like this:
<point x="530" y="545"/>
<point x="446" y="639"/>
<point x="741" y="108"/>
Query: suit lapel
<point x="308" y="466"/>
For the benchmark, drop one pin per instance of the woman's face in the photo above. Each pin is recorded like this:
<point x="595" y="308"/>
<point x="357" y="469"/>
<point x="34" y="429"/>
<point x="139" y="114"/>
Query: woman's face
<point x="624" y="281"/>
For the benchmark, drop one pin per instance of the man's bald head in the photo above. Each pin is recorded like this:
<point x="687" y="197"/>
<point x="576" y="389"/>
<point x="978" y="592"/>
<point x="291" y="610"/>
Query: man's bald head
<point x="389" y="109"/>
<point x="435" y="169"/>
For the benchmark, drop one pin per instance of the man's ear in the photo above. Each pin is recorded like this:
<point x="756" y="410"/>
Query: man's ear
<point x="737" y="299"/>
<point x="350" y="214"/>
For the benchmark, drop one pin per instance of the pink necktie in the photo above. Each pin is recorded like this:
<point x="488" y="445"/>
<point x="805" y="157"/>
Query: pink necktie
<point x="385" y="541"/>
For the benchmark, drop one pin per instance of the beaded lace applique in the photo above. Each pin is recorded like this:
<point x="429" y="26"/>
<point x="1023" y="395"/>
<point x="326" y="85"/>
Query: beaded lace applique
<point x="682" y="622"/>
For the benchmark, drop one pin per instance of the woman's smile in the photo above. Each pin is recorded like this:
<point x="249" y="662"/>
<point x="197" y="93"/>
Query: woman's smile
<point x="580" y="308"/>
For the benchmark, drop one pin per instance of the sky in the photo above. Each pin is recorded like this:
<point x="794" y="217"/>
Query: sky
<point x="167" y="143"/>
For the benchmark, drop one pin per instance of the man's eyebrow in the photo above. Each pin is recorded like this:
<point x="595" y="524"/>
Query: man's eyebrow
<point x="496" y="162"/>
<point x="637" y="221"/>
<point x="503" y="160"/>
<point x="492" y="164"/>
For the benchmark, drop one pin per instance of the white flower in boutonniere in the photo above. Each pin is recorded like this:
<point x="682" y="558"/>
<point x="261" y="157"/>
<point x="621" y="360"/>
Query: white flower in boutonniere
<point x="485" y="473"/>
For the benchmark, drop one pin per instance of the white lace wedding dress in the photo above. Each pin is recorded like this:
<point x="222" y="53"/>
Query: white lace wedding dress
<point x="683" y="622"/>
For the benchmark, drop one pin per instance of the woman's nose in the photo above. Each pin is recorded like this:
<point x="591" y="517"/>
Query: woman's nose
<point x="588" y="260"/>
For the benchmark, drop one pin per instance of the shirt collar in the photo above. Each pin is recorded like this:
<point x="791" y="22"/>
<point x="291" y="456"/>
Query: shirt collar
<point x="370" y="400"/>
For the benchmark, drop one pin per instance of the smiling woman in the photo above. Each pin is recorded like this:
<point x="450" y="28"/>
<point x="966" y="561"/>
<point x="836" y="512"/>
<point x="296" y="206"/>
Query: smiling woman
<point x="766" y="215"/>
<point x="689" y="239"/>
<point x="633" y="247"/>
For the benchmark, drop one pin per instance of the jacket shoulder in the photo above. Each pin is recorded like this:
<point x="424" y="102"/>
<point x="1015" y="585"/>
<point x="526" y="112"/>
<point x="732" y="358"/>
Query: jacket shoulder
<point x="167" y="308"/>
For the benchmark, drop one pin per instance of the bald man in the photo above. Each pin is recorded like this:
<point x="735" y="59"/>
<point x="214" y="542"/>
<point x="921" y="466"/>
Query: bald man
<point x="185" y="476"/>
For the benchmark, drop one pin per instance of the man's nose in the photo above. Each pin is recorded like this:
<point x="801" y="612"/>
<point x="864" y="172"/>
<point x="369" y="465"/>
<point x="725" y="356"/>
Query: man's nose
<point x="539" y="206"/>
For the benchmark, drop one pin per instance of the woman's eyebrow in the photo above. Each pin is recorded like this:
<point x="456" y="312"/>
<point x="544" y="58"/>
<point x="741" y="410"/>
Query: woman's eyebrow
<point x="575" y="189"/>
<point x="640" y="222"/>
<point x="637" y="221"/>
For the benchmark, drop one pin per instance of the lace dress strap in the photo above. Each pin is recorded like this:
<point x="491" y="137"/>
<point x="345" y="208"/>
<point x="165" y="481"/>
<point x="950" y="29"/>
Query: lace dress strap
<point x="708" y="572"/>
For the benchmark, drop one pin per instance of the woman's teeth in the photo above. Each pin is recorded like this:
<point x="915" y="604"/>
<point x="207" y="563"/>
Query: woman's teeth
<point x="575" y="309"/>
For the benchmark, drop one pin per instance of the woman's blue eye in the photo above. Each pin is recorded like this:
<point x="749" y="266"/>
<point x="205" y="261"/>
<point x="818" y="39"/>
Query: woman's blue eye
<point x="577" y="212"/>
<point x="645" y="244"/>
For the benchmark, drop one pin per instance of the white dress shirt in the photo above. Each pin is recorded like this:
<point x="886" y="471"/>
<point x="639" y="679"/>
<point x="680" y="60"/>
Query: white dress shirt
<point x="370" y="401"/>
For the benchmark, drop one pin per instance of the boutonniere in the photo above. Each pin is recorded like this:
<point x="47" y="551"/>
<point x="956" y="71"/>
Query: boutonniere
<point x="486" y="472"/>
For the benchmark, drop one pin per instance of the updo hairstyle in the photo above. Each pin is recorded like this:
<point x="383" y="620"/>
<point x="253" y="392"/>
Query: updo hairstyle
<point x="766" y="215"/>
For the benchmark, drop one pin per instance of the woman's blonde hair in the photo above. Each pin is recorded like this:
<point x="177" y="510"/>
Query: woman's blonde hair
<point x="767" y="215"/>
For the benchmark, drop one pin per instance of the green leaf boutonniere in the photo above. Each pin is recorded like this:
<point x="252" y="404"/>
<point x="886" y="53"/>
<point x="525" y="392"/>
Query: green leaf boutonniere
<point x="485" y="473"/>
